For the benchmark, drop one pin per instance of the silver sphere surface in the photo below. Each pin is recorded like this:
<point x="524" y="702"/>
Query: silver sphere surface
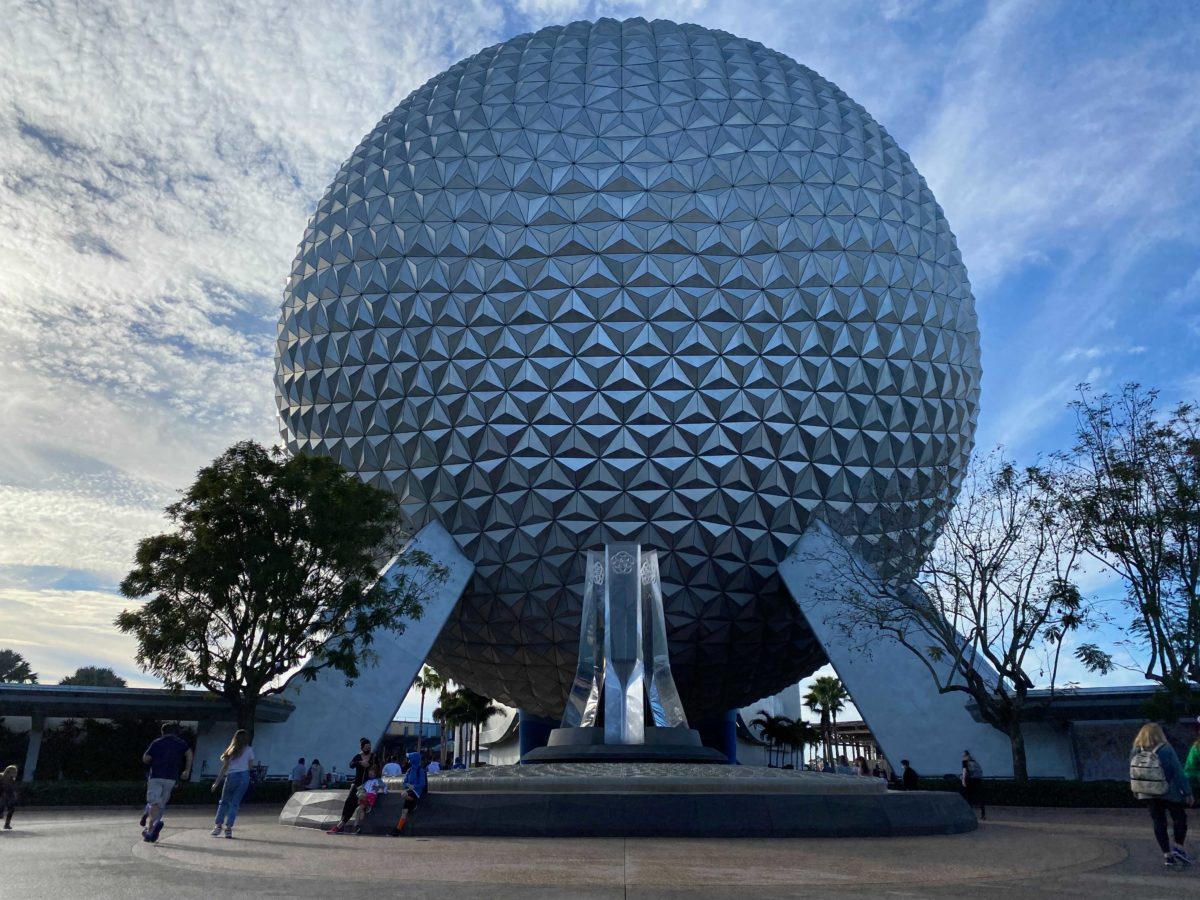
<point x="635" y="281"/>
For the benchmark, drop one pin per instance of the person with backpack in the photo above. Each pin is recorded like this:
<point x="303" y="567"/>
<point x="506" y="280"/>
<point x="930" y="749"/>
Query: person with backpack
<point x="972" y="782"/>
<point x="1157" y="777"/>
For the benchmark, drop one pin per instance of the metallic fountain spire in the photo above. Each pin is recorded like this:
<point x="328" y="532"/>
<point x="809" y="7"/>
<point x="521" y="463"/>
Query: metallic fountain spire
<point x="623" y="629"/>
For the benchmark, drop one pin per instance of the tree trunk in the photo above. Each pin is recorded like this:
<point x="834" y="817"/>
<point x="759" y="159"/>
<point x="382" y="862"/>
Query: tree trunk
<point x="1017" y="738"/>
<point x="246" y="710"/>
<point x="478" y="729"/>
<point x="421" y="720"/>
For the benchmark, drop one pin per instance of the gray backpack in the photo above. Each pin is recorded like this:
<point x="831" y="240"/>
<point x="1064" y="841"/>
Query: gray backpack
<point x="1146" y="775"/>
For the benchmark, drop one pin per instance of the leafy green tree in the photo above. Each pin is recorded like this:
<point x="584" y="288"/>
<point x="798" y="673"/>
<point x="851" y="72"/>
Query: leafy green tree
<point x="94" y="676"/>
<point x="1137" y="496"/>
<point x="14" y="669"/>
<point x="272" y="567"/>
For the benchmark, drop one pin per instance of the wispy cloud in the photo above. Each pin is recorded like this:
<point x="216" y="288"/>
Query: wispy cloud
<point x="158" y="163"/>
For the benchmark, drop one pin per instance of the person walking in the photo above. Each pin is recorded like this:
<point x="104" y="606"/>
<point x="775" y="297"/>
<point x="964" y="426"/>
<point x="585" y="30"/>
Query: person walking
<point x="299" y="776"/>
<point x="8" y="795"/>
<point x="236" y="763"/>
<point x="1157" y="777"/>
<point x="170" y="760"/>
<point x="972" y="782"/>
<point x="361" y="764"/>
<point x="1191" y="768"/>
<point x="316" y="775"/>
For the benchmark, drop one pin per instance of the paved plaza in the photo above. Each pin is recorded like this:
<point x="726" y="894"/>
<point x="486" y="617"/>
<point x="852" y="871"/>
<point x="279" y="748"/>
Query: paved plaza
<point x="98" y="854"/>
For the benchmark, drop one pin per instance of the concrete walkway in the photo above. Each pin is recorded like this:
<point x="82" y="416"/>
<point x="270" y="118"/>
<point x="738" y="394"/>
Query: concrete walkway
<point x="1065" y="853"/>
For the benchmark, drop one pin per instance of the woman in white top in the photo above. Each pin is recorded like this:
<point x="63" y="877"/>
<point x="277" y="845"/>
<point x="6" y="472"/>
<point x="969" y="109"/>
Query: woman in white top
<point x="236" y="763"/>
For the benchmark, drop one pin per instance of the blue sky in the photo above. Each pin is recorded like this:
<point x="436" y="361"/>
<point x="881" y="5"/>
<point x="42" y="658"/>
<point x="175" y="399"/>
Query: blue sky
<point x="158" y="164"/>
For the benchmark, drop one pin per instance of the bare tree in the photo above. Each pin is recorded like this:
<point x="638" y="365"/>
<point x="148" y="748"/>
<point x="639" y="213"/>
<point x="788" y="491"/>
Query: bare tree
<point x="1137" y="494"/>
<point x="992" y="604"/>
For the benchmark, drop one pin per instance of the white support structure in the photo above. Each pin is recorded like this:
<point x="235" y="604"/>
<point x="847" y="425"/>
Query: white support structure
<point x="893" y="690"/>
<point x="330" y="716"/>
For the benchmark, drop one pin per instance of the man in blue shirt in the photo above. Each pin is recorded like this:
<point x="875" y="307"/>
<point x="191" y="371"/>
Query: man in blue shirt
<point x="170" y="759"/>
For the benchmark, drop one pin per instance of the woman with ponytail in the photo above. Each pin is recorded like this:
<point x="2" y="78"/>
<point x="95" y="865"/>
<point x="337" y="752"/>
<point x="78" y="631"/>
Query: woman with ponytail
<point x="236" y="763"/>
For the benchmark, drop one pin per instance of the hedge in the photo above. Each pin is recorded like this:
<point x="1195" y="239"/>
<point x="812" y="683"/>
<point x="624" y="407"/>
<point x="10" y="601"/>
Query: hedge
<point x="133" y="793"/>
<point x="1046" y="792"/>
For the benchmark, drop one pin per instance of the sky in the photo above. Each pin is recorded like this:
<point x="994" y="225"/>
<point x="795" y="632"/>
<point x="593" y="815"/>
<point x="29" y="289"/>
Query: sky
<point x="159" y="161"/>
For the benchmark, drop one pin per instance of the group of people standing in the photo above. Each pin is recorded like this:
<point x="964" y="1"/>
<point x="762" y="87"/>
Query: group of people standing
<point x="308" y="777"/>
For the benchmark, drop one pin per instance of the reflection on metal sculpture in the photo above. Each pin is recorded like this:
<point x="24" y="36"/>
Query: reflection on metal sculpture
<point x="622" y="629"/>
<point x="644" y="282"/>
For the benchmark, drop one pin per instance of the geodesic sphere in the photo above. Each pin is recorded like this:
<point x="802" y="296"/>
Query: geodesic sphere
<point x="635" y="281"/>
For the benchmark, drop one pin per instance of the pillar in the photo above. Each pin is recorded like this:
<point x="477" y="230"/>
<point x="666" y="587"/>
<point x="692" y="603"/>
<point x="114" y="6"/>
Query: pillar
<point x="720" y="733"/>
<point x="36" y="725"/>
<point x="533" y="731"/>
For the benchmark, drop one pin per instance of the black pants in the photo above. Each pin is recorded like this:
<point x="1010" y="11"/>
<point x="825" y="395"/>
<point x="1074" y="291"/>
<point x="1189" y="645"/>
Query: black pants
<point x="1158" y="814"/>
<point x="350" y="805"/>
<point x="973" y="792"/>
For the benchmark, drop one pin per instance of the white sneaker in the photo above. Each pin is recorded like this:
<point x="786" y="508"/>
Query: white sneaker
<point x="216" y="832"/>
<point x="229" y="832"/>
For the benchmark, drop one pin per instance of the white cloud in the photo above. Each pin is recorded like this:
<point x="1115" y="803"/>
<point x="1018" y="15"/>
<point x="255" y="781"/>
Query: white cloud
<point x="158" y="163"/>
<point x="59" y="631"/>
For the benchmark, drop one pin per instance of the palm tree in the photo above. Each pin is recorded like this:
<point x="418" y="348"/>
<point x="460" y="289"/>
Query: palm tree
<point x="797" y="735"/>
<point x="827" y="697"/>
<point x="451" y="713"/>
<point x="427" y="680"/>
<point x="477" y="710"/>
<point x="773" y="730"/>
<point x="14" y="669"/>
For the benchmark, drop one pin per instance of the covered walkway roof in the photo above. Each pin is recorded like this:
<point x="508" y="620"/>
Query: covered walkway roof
<point x="56" y="701"/>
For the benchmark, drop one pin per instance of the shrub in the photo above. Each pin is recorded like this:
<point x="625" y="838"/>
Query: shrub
<point x="133" y="793"/>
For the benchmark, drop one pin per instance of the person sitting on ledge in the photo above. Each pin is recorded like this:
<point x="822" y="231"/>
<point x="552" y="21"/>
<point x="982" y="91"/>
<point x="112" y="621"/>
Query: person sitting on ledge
<point x="391" y="769"/>
<point x="909" y="778"/>
<point x="415" y="782"/>
<point x="368" y="795"/>
<point x="458" y="763"/>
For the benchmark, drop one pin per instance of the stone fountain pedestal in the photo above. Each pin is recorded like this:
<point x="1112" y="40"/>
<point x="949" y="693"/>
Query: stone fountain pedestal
<point x="648" y="799"/>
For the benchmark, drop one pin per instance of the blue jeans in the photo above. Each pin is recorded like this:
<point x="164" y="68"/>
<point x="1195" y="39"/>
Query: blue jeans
<point x="236" y="784"/>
